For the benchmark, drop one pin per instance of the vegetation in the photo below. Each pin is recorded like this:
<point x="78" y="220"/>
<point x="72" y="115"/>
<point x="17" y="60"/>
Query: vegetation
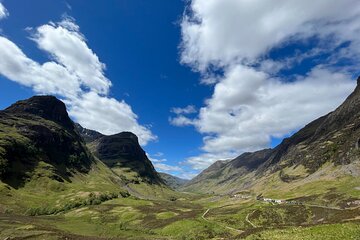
<point x="124" y="198"/>
<point x="92" y="199"/>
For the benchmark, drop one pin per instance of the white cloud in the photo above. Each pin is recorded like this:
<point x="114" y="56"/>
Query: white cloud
<point x="47" y="78"/>
<point x="186" y="110"/>
<point x="162" y="167"/>
<point x="180" y="121"/>
<point x="76" y="74"/>
<point x="68" y="47"/>
<point x="187" y="175"/>
<point x="204" y="160"/>
<point x="248" y="107"/>
<point x="3" y="12"/>
<point x="251" y="103"/>
<point x="223" y="32"/>
<point x="108" y="116"/>
<point x="158" y="154"/>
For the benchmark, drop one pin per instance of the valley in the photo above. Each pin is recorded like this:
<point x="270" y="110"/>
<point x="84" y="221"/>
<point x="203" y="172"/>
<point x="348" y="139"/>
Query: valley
<point x="189" y="217"/>
<point x="62" y="181"/>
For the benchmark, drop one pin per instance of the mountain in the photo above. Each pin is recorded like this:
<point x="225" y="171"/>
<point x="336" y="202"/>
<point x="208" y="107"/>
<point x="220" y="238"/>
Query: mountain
<point x="324" y="154"/>
<point x="46" y="165"/>
<point x="39" y="130"/>
<point x="87" y="134"/>
<point x="172" y="181"/>
<point x="123" y="154"/>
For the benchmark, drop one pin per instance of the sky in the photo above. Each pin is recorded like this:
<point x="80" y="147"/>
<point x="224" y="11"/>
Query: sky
<point x="197" y="81"/>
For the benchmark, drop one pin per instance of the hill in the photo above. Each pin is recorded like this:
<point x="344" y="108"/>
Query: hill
<point x="123" y="154"/>
<point x="46" y="165"/>
<point x="321" y="161"/>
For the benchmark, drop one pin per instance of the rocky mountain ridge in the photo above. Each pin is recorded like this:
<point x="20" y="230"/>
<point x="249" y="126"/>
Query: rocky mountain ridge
<point x="331" y="139"/>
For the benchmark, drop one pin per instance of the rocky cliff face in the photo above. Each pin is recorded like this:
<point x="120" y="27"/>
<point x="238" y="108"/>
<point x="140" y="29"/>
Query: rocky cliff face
<point x="332" y="139"/>
<point x="39" y="130"/>
<point x="87" y="134"/>
<point x="46" y="107"/>
<point x="122" y="153"/>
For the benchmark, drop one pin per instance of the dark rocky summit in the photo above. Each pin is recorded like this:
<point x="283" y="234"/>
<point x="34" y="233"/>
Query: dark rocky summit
<point x="123" y="150"/>
<point x="122" y="153"/>
<point x="39" y="130"/>
<point x="46" y="107"/>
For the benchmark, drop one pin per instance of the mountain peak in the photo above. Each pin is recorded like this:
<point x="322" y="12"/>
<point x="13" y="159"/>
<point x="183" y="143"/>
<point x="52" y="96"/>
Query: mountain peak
<point x="128" y="135"/>
<point x="47" y="107"/>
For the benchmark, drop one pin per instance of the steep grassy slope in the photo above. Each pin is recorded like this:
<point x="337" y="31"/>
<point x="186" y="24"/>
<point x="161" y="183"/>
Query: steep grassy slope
<point x="321" y="162"/>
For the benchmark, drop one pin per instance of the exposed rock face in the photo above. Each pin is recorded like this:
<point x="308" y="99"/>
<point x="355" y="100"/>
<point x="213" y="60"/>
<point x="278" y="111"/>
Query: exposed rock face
<point x="334" y="138"/>
<point x="123" y="150"/>
<point x="46" y="107"/>
<point x="87" y="134"/>
<point x="39" y="130"/>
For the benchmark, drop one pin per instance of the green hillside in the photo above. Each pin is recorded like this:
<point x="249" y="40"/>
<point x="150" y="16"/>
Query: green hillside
<point x="62" y="181"/>
<point x="318" y="164"/>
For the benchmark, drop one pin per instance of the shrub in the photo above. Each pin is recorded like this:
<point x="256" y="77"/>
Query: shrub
<point x="173" y="199"/>
<point x="92" y="199"/>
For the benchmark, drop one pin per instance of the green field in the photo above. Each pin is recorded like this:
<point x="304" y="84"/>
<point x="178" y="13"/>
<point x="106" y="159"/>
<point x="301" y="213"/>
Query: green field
<point x="227" y="218"/>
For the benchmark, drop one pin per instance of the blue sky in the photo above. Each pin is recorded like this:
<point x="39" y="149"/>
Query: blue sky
<point x="197" y="80"/>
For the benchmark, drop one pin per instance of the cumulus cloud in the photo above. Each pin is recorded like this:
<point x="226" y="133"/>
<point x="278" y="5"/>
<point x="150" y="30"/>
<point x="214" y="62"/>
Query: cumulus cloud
<point x="186" y="110"/>
<point x="220" y="33"/>
<point x="108" y="116"/>
<point x="162" y="167"/>
<point x="180" y="119"/>
<point x="74" y="73"/>
<point x="3" y="12"/>
<point x="252" y="102"/>
<point x="47" y="78"/>
<point x="67" y="46"/>
<point x="243" y="115"/>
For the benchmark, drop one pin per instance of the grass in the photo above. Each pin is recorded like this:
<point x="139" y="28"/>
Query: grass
<point x="133" y="218"/>
<point x="346" y="231"/>
<point x="165" y="215"/>
<point x="194" y="229"/>
<point x="96" y="204"/>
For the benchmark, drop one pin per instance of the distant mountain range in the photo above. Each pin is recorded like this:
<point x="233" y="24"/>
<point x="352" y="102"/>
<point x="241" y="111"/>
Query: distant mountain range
<point x="172" y="181"/>
<point x="322" y="157"/>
